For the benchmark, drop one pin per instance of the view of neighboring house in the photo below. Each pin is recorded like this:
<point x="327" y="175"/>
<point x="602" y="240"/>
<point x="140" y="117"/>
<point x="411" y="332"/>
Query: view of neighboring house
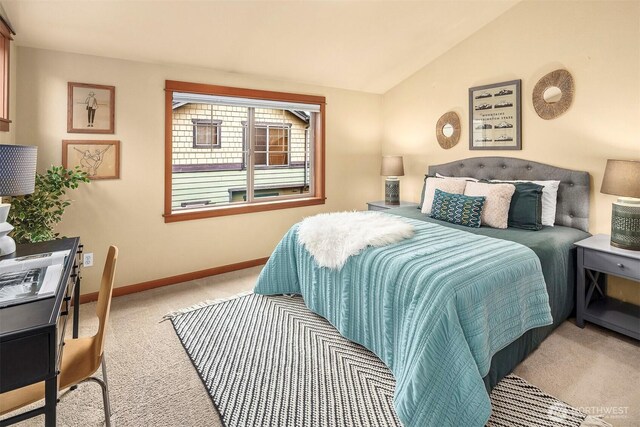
<point x="209" y="162"/>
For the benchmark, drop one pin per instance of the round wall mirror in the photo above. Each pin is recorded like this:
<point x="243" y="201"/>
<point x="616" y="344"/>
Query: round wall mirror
<point x="553" y="94"/>
<point x="448" y="130"/>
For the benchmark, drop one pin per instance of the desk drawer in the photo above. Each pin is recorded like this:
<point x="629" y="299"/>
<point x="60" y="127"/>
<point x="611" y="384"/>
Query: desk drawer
<point x="60" y="329"/>
<point x="65" y="312"/>
<point x="25" y="360"/>
<point x="612" y="264"/>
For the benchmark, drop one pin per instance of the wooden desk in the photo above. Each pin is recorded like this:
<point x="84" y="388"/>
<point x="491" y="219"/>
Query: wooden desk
<point x="32" y="334"/>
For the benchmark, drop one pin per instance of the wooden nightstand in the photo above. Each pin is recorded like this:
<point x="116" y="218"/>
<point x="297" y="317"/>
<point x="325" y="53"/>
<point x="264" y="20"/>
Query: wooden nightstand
<point x="596" y="259"/>
<point x="381" y="206"/>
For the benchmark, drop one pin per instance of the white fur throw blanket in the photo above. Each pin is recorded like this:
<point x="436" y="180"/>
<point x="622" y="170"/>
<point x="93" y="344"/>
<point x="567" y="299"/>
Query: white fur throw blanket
<point x="333" y="237"/>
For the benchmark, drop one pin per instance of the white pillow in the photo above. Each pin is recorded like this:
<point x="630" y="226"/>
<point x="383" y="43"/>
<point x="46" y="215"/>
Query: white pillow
<point x="466" y="178"/>
<point x="453" y="186"/>
<point x="549" y="198"/>
<point x="495" y="212"/>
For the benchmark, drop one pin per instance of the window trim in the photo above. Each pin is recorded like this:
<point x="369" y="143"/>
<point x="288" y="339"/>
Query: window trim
<point x="318" y="198"/>
<point x="217" y="124"/>
<point x="5" y="33"/>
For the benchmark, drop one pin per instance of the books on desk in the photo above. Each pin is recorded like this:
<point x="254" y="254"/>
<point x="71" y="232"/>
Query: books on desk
<point x="30" y="277"/>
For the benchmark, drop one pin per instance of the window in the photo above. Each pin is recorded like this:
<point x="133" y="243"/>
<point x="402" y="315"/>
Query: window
<point x="5" y="47"/>
<point x="272" y="144"/>
<point x="206" y="133"/>
<point x="232" y="151"/>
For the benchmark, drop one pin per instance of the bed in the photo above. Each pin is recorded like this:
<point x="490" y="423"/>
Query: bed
<point x="558" y="261"/>
<point x="438" y="379"/>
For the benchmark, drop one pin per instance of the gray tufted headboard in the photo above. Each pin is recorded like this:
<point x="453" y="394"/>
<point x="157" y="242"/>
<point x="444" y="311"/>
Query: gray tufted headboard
<point x="573" y="194"/>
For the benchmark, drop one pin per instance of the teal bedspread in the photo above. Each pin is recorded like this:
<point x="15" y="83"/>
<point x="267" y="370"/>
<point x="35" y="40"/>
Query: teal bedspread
<point x="557" y="253"/>
<point x="435" y="308"/>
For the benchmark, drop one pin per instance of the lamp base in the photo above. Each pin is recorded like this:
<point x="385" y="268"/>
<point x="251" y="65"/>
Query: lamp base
<point x="7" y="245"/>
<point x="392" y="191"/>
<point x="625" y="224"/>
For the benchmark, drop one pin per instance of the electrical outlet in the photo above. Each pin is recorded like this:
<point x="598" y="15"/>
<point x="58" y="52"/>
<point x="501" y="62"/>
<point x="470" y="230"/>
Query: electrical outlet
<point x="87" y="260"/>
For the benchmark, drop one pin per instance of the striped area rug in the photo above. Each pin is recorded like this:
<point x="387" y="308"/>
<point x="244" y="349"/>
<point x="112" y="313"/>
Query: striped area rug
<point x="269" y="361"/>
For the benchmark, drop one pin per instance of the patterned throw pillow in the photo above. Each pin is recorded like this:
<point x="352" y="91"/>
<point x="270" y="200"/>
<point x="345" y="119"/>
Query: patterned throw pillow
<point x="453" y="186"/>
<point x="457" y="208"/>
<point x="496" y="206"/>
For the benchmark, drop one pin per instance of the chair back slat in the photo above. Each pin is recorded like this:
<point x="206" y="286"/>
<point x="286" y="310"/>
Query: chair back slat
<point x="104" y="298"/>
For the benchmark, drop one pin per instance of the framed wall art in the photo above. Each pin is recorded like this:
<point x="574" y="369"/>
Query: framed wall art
<point x="495" y="117"/>
<point x="90" y="108"/>
<point x="99" y="159"/>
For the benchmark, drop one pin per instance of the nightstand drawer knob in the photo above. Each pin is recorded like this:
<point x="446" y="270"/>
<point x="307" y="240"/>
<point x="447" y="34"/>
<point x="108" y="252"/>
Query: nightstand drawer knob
<point x="620" y="265"/>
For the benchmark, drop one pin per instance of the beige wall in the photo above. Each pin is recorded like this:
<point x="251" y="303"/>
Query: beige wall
<point x="128" y="212"/>
<point x="598" y="42"/>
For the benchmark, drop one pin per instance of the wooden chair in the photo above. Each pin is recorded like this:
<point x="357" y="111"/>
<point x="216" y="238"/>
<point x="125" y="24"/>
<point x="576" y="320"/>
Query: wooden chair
<point x="81" y="357"/>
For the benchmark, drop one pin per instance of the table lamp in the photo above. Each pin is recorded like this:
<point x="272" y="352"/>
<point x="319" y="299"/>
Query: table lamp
<point x="17" y="178"/>
<point x="392" y="167"/>
<point x="622" y="178"/>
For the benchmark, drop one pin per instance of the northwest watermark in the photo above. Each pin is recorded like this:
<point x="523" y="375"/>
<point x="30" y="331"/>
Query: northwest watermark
<point x="560" y="411"/>
<point x="610" y="412"/>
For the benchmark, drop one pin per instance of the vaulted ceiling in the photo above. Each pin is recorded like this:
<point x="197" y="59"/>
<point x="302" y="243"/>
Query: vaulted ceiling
<point x="360" y="45"/>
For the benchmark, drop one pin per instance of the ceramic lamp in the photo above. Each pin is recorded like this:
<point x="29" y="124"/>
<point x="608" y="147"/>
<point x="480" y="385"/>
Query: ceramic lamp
<point x="392" y="167"/>
<point x="17" y="178"/>
<point x="622" y="178"/>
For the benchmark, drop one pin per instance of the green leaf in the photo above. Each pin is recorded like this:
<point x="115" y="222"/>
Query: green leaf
<point x="35" y="215"/>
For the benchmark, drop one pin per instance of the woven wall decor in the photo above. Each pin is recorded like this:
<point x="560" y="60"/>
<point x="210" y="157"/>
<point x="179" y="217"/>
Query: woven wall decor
<point x="561" y="79"/>
<point x="448" y="118"/>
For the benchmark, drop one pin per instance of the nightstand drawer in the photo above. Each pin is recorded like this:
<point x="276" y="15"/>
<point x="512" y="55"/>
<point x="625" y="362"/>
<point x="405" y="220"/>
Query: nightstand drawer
<point x="376" y="208"/>
<point x="382" y="206"/>
<point x="613" y="264"/>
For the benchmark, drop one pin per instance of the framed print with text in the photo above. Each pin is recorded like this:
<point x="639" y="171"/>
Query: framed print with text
<point x="495" y="117"/>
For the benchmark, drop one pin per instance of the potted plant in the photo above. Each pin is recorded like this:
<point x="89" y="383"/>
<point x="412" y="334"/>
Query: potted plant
<point x="35" y="215"/>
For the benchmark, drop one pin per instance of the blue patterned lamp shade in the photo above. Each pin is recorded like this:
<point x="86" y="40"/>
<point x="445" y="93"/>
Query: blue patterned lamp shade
<point x="17" y="178"/>
<point x="17" y="169"/>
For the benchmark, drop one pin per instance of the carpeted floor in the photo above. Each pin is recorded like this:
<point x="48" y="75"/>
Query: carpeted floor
<point x="153" y="382"/>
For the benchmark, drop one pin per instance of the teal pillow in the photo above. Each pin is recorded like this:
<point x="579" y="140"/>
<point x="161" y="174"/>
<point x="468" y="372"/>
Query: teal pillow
<point x="457" y="208"/>
<point x="525" y="210"/>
